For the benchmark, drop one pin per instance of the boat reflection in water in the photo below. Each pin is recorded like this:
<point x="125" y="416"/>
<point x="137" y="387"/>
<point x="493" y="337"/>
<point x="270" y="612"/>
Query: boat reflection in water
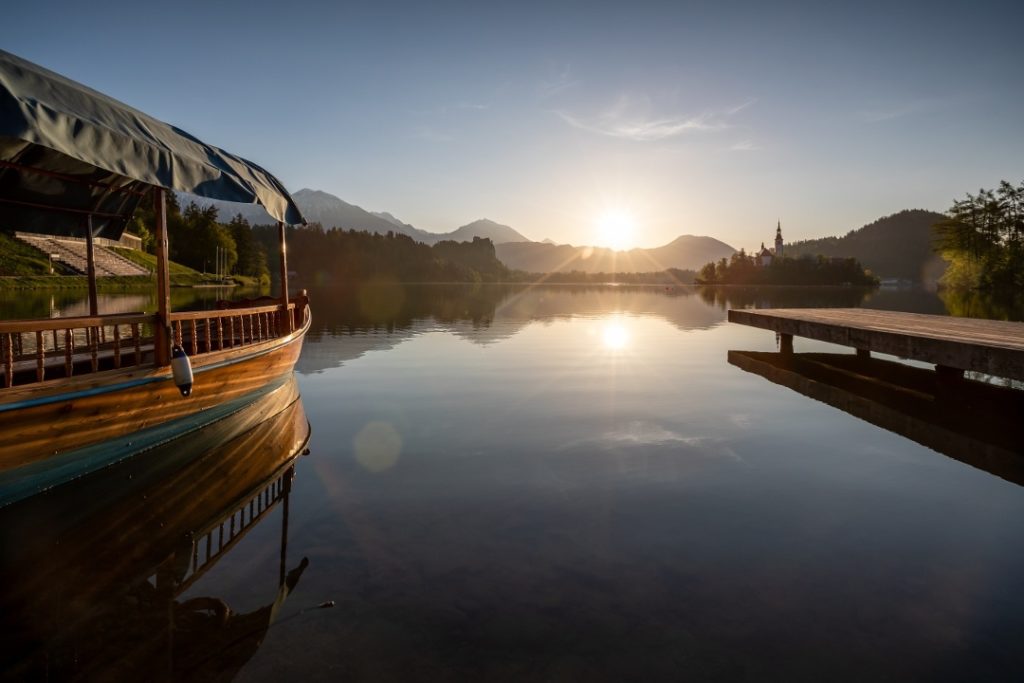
<point x="970" y="421"/>
<point x="93" y="573"/>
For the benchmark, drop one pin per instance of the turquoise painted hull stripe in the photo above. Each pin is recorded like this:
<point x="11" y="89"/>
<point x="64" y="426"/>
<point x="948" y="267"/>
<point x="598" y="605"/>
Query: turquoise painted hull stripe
<point x="38" y="477"/>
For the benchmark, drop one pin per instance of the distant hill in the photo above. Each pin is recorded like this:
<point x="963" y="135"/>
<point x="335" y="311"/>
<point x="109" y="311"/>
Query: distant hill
<point x="389" y="218"/>
<point x="896" y="246"/>
<point x="688" y="252"/>
<point x="484" y="228"/>
<point x="332" y="212"/>
<point x="515" y="250"/>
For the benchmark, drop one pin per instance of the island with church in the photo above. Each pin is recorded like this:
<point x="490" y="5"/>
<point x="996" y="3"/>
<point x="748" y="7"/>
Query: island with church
<point x="772" y="267"/>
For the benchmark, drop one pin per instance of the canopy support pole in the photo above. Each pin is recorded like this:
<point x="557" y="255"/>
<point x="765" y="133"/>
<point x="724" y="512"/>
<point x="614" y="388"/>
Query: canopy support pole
<point x="90" y="270"/>
<point x="163" y="281"/>
<point x="286" y="320"/>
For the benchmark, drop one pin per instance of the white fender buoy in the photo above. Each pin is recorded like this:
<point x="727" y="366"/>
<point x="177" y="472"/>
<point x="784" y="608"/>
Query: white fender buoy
<point x="181" y="368"/>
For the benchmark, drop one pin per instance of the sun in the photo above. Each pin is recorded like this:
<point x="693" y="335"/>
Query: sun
<point x="616" y="229"/>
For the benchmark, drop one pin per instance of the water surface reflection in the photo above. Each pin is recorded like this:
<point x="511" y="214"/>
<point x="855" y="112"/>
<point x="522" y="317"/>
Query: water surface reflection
<point x="971" y="421"/>
<point x="20" y="304"/>
<point x="574" y="484"/>
<point x="107" y="578"/>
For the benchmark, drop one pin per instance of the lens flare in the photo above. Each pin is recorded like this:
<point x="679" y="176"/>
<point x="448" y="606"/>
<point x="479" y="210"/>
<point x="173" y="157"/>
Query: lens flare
<point x="377" y="446"/>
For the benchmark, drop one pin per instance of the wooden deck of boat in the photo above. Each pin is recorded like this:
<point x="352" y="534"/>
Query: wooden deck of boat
<point x="993" y="347"/>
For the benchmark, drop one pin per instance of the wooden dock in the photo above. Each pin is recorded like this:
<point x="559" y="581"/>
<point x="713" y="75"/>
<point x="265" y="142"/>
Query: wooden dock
<point x="993" y="347"/>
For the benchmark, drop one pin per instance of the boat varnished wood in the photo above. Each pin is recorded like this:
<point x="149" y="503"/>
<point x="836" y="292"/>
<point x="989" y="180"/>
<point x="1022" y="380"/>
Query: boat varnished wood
<point x="41" y="421"/>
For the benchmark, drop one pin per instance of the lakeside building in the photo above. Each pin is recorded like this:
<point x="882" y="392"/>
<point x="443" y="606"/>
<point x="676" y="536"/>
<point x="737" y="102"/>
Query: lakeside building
<point x="765" y="256"/>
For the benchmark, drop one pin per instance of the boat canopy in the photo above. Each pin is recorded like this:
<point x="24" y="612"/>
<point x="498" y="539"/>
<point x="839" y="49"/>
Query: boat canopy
<point x="68" y="152"/>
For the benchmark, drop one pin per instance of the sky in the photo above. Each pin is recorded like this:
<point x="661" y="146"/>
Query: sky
<point x="623" y="124"/>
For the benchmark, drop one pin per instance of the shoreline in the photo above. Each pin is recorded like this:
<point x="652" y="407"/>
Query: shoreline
<point x="112" y="283"/>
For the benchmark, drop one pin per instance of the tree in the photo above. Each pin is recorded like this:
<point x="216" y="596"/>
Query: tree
<point x="196" y="240"/>
<point x="707" y="273"/>
<point x="741" y="269"/>
<point x="252" y="258"/>
<point x="983" y="238"/>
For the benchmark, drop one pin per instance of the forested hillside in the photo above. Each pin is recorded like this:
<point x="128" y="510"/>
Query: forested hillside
<point x="322" y="256"/>
<point x="687" y="252"/>
<point x="898" y="246"/>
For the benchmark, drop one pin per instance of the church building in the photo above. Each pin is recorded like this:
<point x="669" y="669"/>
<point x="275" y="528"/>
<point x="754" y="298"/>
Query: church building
<point x="765" y="256"/>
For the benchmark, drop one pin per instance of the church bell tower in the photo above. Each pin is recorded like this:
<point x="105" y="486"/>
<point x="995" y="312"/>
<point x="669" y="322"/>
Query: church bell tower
<point x="778" y="240"/>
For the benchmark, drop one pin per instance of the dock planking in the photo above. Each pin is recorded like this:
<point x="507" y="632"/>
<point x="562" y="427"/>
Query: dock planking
<point x="993" y="347"/>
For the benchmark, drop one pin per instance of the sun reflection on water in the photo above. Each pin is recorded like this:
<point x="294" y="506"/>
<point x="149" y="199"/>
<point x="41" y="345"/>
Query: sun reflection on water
<point x="615" y="336"/>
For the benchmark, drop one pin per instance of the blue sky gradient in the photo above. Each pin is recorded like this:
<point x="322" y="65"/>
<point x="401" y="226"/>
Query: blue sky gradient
<point x="701" y="118"/>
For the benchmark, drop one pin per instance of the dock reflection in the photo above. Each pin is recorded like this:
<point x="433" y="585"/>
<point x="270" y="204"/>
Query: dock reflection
<point x="94" y="574"/>
<point x="975" y="423"/>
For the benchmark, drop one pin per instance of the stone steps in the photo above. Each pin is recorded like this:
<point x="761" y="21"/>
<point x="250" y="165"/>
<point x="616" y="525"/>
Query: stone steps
<point x="72" y="253"/>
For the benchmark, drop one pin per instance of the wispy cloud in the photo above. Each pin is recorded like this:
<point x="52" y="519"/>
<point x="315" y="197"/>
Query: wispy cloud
<point x="639" y="129"/>
<point x="731" y="111"/>
<point x="644" y="434"/>
<point x="431" y="134"/>
<point x="631" y="119"/>
<point x="897" y="110"/>
<point x="637" y="433"/>
<point x="743" y="146"/>
<point x="641" y="433"/>
<point x="558" y="83"/>
<point x="452" y="107"/>
<point x="879" y="115"/>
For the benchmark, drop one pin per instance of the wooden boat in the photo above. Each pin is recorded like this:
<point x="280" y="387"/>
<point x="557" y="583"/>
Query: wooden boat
<point x="80" y="394"/>
<point x="104" y="577"/>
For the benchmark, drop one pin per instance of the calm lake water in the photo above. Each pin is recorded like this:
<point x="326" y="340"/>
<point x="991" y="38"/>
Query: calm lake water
<point x="570" y="483"/>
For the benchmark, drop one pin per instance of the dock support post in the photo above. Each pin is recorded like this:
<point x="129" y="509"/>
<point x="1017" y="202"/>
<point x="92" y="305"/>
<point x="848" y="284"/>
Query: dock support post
<point x="863" y="354"/>
<point x="90" y="269"/>
<point x="286" y="318"/>
<point x="163" y="281"/>
<point x="786" y="344"/>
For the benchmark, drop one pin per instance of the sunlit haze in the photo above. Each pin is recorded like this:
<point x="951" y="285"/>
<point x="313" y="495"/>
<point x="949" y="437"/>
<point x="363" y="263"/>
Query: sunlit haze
<point x="701" y="119"/>
<point x="616" y="228"/>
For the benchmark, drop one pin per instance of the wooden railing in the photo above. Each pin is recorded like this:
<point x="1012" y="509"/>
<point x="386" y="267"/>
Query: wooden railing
<point x="201" y="332"/>
<point x="212" y="542"/>
<point x="63" y="346"/>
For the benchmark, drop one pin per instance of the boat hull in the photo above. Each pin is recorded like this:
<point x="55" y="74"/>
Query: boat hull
<point x="54" y="432"/>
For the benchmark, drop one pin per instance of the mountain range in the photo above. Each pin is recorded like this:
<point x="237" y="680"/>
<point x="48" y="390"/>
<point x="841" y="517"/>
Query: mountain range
<point x="897" y="246"/>
<point x="331" y="212"/>
<point x="513" y="248"/>
<point x="688" y="252"/>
